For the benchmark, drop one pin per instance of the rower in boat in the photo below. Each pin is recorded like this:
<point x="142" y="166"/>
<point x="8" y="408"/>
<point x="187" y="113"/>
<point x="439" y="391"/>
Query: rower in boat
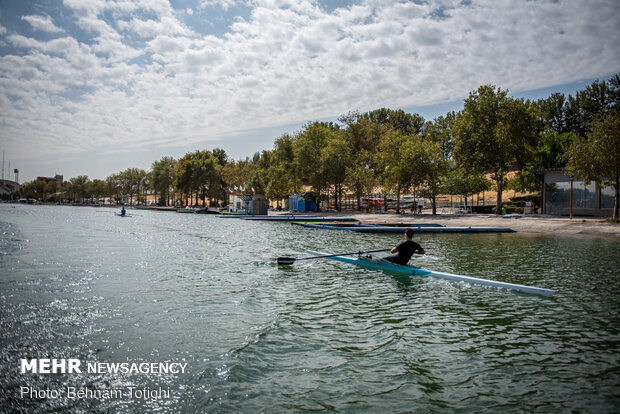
<point x="405" y="249"/>
<point x="123" y="211"/>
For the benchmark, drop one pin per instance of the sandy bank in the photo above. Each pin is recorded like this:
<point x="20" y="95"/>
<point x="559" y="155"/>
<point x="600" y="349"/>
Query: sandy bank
<point x="584" y="226"/>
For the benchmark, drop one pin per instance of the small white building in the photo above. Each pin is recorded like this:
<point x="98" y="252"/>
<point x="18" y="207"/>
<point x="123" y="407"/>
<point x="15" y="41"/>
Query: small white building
<point x="239" y="203"/>
<point x="251" y="204"/>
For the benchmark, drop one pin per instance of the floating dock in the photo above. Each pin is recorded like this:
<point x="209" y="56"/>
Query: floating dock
<point x="299" y="218"/>
<point x="418" y="229"/>
<point x="367" y="224"/>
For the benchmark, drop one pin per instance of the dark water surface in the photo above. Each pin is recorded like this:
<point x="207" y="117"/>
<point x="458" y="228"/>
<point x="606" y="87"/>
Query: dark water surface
<point x="315" y="336"/>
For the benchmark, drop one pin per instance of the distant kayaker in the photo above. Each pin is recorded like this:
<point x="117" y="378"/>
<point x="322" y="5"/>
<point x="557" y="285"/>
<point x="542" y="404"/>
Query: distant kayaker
<point x="405" y="249"/>
<point x="123" y="211"/>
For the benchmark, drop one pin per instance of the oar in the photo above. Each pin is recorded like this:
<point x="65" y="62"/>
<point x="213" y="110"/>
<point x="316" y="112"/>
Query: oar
<point x="291" y="260"/>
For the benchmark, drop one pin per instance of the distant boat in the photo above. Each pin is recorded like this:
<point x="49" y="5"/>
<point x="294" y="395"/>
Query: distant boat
<point x="186" y="210"/>
<point x="208" y="210"/>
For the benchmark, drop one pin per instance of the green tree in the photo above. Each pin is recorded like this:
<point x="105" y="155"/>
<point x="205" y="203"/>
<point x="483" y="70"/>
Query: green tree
<point x="441" y="131"/>
<point x="221" y="156"/>
<point x="34" y="189"/>
<point x="431" y="168"/>
<point x="186" y="176"/>
<point x="208" y="176"/>
<point x="407" y="124"/>
<point x="258" y="183"/>
<point x="597" y="157"/>
<point x="599" y="97"/>
<point x="494" y="133"/>
<point x="362" y="136"/>
<point x="308" y="148"/>
<point x="463" y="182"/>
<point x="238" y="173"/>
<point x="131" y="183"/>
<point x="397" y="163"/>
<point x="551" y="113"/>
<point x="113" y="187"/>
<point x="335" y="159"/>
<point x="279" y="169"/>
<point x="163" y="174"/>
<point x="77" y="187"/>
<point x="263" y="163"/>
<point x="200" y="174"/>
<point x="95" y="189"/>
<point x="284" y="160"/>
<point x="277" y="187"/>
<point x="549" y="153"/>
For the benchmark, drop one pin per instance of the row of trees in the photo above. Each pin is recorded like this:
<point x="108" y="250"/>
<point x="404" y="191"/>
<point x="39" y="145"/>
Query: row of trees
<point x="132" y="182"/>
<point x="400" y="153"/>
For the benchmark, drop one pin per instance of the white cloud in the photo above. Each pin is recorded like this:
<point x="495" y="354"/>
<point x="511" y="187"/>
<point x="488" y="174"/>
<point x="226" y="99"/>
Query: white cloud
<point x="42" y="23"/>
<point x="148" y="79"/>
<point x="167" y="25"/>
<point x="223" y="4"/>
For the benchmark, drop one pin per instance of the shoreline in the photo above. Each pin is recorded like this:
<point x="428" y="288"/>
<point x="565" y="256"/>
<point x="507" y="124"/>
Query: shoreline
<point x="535" y="224"/>
<point x="561" y="226"/>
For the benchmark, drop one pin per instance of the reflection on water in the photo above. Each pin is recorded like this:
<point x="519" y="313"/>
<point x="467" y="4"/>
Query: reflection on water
<point x="317" y="335"/>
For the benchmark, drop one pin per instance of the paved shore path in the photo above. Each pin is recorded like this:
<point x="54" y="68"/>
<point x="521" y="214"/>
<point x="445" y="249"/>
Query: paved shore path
<point x="584" y="226"/>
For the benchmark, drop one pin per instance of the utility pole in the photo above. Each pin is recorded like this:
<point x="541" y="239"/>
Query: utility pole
<point x="571" y="196"/>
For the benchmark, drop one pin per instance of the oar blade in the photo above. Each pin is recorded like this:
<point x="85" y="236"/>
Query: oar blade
<point x="286" y="260"/>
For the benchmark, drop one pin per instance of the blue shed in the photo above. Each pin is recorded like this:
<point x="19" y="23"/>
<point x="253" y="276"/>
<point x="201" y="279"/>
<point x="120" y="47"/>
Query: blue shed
<point x="299" y="204"/>
<point x="259" y="205"/>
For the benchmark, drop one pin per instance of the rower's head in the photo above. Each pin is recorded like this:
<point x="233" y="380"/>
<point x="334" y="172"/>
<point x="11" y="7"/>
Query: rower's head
<point x="409" y="233"/>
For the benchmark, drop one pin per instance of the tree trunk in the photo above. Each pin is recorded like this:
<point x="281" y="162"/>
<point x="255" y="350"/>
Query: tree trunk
<point x="339" y="197"/>
<point x="617" y="201"/>
<point x="398" y="199"/>
<point x="498" y="205"/>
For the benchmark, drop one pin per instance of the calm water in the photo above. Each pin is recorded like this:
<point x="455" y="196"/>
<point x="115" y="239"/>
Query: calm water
<point x="316" y="336"/>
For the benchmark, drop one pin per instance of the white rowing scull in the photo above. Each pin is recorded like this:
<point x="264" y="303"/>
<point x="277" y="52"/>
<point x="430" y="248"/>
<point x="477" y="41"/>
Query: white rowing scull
<point x="377" y="263"/>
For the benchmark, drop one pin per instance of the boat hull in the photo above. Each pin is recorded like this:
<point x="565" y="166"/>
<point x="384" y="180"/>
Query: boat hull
<point x="208" y="210"/>
<point x="380" y="264"/>
<point x="418" y="229"/>
<point x="364" y="224"/>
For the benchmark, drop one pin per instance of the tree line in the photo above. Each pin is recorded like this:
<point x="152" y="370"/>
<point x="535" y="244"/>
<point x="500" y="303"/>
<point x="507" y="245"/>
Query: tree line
<point x="395" y="153"/>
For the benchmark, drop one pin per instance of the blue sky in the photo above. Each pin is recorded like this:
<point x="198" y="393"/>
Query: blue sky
<point x="97" y="86"/>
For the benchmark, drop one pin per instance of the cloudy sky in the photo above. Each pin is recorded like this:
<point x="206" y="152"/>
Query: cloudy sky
<point x="97" y="86"/>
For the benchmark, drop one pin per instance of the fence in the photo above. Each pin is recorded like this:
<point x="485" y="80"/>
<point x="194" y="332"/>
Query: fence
<point x="376" y="203"/>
